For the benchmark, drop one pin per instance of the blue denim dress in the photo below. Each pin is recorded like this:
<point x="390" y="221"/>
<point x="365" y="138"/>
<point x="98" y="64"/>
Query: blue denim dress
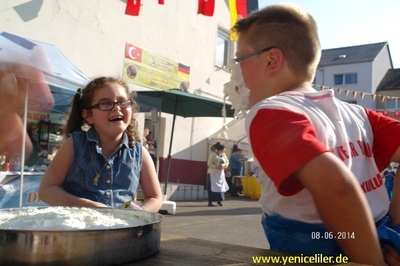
<point x="119" y="174"/>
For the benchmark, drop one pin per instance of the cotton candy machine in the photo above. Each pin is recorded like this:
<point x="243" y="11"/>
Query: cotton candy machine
<point x="107" y="246"/>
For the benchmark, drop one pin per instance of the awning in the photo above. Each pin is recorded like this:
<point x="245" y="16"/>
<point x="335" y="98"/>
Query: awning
<point x="235" y="134"/>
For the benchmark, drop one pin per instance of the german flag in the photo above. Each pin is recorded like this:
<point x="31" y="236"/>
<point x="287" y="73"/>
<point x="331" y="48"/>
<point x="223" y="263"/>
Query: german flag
<point x="183" y="71"/>
<point x="239" y="9"/>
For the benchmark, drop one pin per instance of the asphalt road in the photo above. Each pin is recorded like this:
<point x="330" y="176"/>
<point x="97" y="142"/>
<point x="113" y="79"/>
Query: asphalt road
<point x="237" y="222"/>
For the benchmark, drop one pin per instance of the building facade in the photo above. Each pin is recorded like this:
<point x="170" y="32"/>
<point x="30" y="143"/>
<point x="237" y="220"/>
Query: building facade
<point x="93" y="35"/>
<point x="363" y="75"/>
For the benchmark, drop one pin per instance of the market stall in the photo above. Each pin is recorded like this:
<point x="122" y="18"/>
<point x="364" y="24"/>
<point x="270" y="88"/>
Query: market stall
<point x="63" y="79"/>
<point x="251" y="187"/>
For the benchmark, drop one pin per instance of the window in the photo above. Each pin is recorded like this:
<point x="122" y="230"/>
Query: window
<point x="224" y="49"/>
<point x="392" y="104"/>
<point x="343" y="79"/>
<point x="338" y="79"/>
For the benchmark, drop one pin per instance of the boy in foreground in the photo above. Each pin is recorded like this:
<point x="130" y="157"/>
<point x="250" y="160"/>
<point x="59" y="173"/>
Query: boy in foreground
<point x="317" y="159"/>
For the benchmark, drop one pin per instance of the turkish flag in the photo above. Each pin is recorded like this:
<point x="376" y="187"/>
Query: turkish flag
<point x="385" y="112"/>
<point x="396" y="114"/>
<point x="161" y="2"/>
<point x="133" y="53"/>
<point x="132" y="7"/>
<point x="206" y="7"/>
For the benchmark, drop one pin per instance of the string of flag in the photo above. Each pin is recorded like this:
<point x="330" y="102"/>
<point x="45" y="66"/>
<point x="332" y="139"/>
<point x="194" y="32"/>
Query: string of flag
<point x="133" y="7"/>
<point x="361" y="95"/>
<point x="205" y="7"/>
<point x="238" y="9"/>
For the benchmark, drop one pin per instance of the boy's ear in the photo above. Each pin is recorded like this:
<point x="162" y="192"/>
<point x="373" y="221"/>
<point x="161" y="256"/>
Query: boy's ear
<point x="274" y="61"/>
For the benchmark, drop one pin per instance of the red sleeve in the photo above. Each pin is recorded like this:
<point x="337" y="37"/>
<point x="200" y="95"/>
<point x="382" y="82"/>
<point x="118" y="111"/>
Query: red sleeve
<point x="283" y="142"/>
<point x="386" y="133"/>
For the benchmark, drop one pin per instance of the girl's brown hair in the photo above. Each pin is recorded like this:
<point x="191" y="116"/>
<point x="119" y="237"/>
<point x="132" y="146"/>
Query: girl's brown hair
<point x="83" y="100"/>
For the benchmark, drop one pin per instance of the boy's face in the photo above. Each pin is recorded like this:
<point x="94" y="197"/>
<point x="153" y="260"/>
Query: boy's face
<point x="252" y="71"/>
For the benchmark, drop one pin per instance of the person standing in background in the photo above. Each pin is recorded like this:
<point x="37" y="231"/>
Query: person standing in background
<point x="146" y="132"/>
<point x="216" y="183"/>
<point x="389" y="175"/>
<point x="38" y="152"/>
<point x="152" y="147"/>
<point x="236" y="163"/>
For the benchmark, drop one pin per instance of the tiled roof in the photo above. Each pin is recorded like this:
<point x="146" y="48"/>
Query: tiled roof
<point x="391" y="80"/>
<point x="351" y="54"/>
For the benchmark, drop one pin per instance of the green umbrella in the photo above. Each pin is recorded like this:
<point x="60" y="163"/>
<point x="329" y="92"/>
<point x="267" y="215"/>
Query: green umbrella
<point x="181" y="103"/>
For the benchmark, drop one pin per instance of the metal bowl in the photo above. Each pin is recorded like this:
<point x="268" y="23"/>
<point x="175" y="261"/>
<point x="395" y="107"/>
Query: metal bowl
<point x="82" y="247"/>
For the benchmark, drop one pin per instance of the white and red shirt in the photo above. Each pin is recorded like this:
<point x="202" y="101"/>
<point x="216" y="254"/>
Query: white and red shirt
<point x="288" y="130"/>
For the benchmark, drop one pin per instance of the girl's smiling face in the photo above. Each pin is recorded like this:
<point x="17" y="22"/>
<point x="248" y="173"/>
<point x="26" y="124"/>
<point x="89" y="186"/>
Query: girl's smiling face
<point x="113" y="121"/>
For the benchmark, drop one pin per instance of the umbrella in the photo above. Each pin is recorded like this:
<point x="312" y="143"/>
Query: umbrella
<point x="59" y="73"/>
<point x="181" y="103"/>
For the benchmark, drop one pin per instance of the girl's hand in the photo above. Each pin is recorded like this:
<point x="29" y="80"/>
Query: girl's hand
<point x="135" y="207"/>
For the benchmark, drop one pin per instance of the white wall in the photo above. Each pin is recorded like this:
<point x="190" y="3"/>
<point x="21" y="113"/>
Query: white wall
<point x="380" y="66"/>
<point x="93" y="33"/>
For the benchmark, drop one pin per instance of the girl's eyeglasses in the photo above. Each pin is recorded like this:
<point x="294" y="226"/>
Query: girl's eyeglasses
<point x="105" y="106"/>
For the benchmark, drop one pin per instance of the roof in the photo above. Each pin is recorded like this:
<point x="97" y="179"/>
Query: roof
<point x="391" y="80"/>
<point x="351" y="54"/>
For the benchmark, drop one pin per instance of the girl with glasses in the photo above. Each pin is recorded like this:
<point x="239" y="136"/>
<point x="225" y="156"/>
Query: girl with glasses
<point x="102" y="161"/>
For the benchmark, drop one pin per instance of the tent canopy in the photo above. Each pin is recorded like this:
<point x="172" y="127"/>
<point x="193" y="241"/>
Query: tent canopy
<point x="60" y="74"/>
<point x="235" y="134"/>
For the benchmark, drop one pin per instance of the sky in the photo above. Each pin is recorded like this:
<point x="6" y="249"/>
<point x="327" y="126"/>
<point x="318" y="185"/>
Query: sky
<point x="343" y="23"/>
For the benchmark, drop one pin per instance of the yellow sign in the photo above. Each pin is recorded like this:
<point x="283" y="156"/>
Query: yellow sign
<point x="154" y="71"/>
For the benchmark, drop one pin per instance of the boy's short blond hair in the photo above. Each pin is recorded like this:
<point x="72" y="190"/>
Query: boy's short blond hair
<point x="288" y="27"/>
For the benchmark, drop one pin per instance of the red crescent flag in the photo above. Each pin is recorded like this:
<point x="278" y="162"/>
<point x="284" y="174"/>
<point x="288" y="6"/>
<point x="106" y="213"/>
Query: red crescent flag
<point x="206" y="7"/>
<point x="132" y="7"/>
<point x="133" y="53"/>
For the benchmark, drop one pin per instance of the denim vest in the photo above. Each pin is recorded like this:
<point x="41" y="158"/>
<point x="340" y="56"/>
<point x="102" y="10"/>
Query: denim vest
<point x="119" y="174"/>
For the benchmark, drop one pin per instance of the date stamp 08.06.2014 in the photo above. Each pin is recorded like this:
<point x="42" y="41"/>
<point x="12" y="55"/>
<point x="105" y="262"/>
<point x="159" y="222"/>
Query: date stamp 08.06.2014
<point x="331" y="235"/>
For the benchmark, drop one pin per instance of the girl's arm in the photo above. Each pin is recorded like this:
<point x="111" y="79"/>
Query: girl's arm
<point x="51" y="191"/>
<point x="150" y="184"/>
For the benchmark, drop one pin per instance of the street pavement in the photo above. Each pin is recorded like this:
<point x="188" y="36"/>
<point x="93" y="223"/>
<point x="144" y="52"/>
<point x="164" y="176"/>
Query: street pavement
<point x="237" y="222"/>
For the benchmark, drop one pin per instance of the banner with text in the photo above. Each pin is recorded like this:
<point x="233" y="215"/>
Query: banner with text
<point x="10" y="191"/>
<point x="154" y="71"/>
